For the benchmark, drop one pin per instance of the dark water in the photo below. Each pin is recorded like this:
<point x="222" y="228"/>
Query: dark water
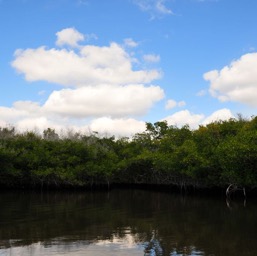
<point x="125" y="222"/>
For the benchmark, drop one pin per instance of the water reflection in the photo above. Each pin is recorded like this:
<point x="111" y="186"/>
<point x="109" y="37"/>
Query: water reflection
<point x="63" y="246"/>
<point x="124" y="222"/>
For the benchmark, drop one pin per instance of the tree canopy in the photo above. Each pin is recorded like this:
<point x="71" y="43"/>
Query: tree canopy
<point x="215" y="155"/>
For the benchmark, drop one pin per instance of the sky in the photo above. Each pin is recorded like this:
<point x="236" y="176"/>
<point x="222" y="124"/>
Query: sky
<point x="109" y="66"/>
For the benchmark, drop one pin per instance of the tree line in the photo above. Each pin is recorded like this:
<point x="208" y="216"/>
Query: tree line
<point x="219" y="155"/>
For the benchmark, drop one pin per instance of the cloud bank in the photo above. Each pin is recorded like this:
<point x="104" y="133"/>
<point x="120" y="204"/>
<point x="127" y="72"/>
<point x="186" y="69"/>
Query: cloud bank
<point x="113" y="101"/>
<point x="101" y="90"/>
<point x="185" y="117"/>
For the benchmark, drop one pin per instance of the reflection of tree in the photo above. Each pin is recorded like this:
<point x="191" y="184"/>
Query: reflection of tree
<point x="162" y="222"/>
<point x="154" y="247"/>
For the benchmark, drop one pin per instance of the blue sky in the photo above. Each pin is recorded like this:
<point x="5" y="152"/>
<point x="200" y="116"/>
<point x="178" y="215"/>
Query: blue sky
<point x="112" y="65"/>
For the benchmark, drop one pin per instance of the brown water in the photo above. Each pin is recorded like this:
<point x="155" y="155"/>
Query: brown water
<point x="125" y="222"/>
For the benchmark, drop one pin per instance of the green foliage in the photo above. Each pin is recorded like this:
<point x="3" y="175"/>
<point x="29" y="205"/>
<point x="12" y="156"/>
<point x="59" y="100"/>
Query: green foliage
<point x="238" y="158"/>
<point x="218" y="154"/>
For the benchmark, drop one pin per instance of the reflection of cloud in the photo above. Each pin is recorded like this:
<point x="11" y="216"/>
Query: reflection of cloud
<point x="59" y="246"/>
<point x="127" y="241"/>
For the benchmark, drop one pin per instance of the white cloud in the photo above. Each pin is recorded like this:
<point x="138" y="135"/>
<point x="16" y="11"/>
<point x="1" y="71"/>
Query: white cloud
<point x="24" y="115"/>
<point x="151" y="58"/>
<point x="30" y="116"/>
<point x="194" y="120"/>
<point x="41" y="92"/>
<point x="120" y="127"/>
<point x="201" y="93"/>
<point x="184" y="117"/>
<point x="162" y="8"/>
<point x="19" y="110"/>
<point x="3" y="123"/>
<point x="26" y="118"/>
<point x="91" y="66"/>
<point x="10" y="115"/>
<point x="27" y="115"/>
<point x="91" y="36"/>
<point x="115" y="101"/>
<point x="156" y="8"/>
<point x="172" y="104"/>
<point x="130" y="42"/>
<point x="236" y="82"/>
<point x="69" y="36"/>
<point x="222" y="114"/>
<point x="36" y="123"/>
<point x="107" y="92"/>
<point x="181" y="103"/>
<point x="27" y="106"/>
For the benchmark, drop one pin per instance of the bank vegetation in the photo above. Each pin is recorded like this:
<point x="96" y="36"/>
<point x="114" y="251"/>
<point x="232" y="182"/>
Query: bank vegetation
<point x="219" y="155"/>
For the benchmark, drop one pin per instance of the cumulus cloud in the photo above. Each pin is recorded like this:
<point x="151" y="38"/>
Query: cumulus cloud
<point x="91" y="66"/>
<point x="36" y="123"/>
<point x="222" y="114"/>
<point x="20" y="109"/>
<point x="103" y="90"/>
<point x="29" y="116"/>
<point x="24" y="115"/>
<point x="115" y="101"/>
<point x="10" y="115"/>
<point x="184" y="117"/>
<point x="69" y="36"/>
<point x="151" y="58"/>
<point x="235" y="82"/>
<point x="3" y="123"/>
<point x="120" y="127"/>
<point x="172" y="104"/>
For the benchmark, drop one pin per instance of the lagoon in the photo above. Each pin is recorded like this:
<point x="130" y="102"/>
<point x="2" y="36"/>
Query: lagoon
<point x="125" y="222"/>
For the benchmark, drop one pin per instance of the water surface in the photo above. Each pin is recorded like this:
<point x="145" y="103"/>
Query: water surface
<point x="125" y="222"/>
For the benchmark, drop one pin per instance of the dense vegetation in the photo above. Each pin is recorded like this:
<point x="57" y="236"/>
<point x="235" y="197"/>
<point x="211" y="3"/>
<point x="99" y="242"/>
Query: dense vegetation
<point x="215" y="155"/>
